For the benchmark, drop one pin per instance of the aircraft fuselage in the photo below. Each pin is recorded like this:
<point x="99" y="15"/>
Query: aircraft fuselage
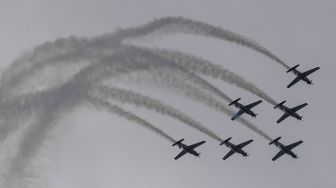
<point x="236" y="149"/>
<point x="302" y="77"/>
<point x="289" y="112"/>
<point x="246" y="110"/>
<point x="285" y="149"/>
<point x="188" y="149"/>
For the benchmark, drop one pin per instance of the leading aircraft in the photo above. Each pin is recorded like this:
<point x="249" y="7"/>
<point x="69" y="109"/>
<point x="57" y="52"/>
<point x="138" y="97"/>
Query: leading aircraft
<point x="244" y="109"/>
<point x="284" y="149"/>
<point x="187" y="149"/>
<point x="235" y="148"/>
<point x="301" y="75"/>
<point x="289" y="111"/>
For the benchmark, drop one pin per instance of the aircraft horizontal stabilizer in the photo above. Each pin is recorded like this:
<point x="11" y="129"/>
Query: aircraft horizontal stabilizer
<point x="291" y="69"/>
<point x="275" y="140"/>
<point x="178" y="142"/>
<point x="225" y="141"/>
<point x="234" y="102"/>
<point x="280" y="104"/>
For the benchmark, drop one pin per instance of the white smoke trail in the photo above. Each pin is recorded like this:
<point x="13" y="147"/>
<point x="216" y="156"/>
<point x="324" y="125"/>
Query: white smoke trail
<point x="62" y="51"/>
<point x="152" y="58"/>
<point x="169" y="81"/>
<point x="70" y="93"/>
<point x="138" y="99"/>
<point x="93" y="70"/>
<point x="150" y="64"/>
<point x="86" y="79"/>
<point x="130" y="58"/>
<point x="52" y="104"/>
<point x="37" y="133"/>
<point x="199" y="65"/>
<point x="183" y="25"/>
<point x="18" y="110"/>
<point x="103" y="104"/>
<point x="75" y="49"/>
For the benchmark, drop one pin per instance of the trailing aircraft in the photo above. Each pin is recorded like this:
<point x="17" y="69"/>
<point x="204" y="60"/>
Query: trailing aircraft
<point x="187" y="149"/>
<point x="289" y="111"/>
<point x="244" y="109"/>
<point x="284" y="149"/>
<point x="301" y="75"/>
<point x="235" y="148"/>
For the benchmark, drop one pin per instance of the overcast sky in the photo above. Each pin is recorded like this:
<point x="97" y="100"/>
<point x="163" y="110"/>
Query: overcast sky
<point x="94" y="149"/>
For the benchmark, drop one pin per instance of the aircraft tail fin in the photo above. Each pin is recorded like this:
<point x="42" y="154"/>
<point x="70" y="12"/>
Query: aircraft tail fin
<point x="278" y="105"/>
<point x="225" y="141"/>
<point x="293" y="68"/>
<point x="178" y="142"/>
<point x="275" y="140"/>
<point x="234" y="102"/>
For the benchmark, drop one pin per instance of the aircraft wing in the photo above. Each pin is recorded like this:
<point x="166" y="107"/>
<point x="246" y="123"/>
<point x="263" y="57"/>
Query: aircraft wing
<point x="282" y="118"/>
<point x="180" y="154"/>
<point x="237" y="115"/>
<point x="253" y="104"/>
<point x="231" y="152"/>
<point x="278" y="155"/>
<point x="311" y="71"/>
<point x="244" y="143"/>
<point x="291" y="146"/>
<point x="294" y="82"/>
<point x="196" y="145"/>
<point x="299" y="107"/>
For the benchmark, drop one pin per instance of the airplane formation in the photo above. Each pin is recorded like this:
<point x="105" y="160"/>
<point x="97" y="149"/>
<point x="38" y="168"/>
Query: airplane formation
<point x="284" y="149"/>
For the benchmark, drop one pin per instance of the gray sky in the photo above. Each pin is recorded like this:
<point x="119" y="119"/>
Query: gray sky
<point x="94" y="149"/>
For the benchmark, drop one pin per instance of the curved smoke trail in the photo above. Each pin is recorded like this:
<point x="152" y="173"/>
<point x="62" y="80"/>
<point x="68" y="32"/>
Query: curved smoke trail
<point x="79" y="85"/>
<point x="107" y="57"/>
<point x="201" y="66"/>
<point x="54" y="104"/>
<point x="67" y="95"/>
<point x="138" y="99"/>
<point x="164" y="79"/>
<point x="152" y="58"/>
<point x="183" y="25"/>
<point x="73" y="47"/>
<point x="102" y="104"/>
